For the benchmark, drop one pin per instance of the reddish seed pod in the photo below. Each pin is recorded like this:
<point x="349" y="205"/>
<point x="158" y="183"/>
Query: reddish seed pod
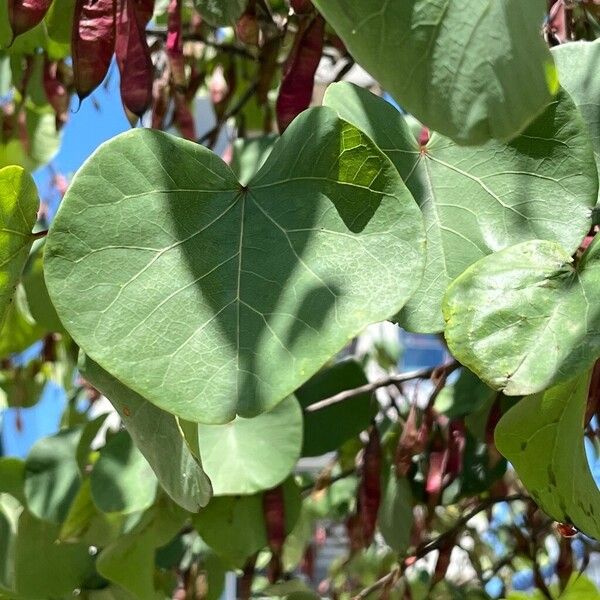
<point x="24" y="15"/>
<point x="92" y="43"/>
<point x="369" y="492"/>
<point x="298" y="81"/>
<point x="56" y="92"/>
<point x="301" y="7"/>
<point x="246" y="27"/>
<point x="566" y="530"/>
<point x="274" y="513"/>
<point x="133" y="59"/>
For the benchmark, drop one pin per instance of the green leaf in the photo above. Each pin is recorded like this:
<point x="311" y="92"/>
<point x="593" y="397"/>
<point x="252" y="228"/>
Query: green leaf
<point x="52" y="475"/>
<point x="542" y="436"/>
<point x="234" y="526"/>
<point x="122" y="480"/>
<point x="478" y="200"/>
<point x="327" y="429"/>
<point x="38" y="300"/>
<point x="466" y="396"/>
<point x="249" y="155"/>
<point x="575" y="61"/>
<point x="231" y="296"/>
<point x="395" y="517"/>
<point x="7" y="540"/>
<point x="89" y="433"/>
<point x="220" y="12"/>
<point x="469" y="69"/>
<point x="45" y="568"/>
<point x="158" y="437"/>
<point x="523" y="319"/>
<point x="81" y="512"/>
<point x="12" y="477"/>
<point x="247" y="456"/>
<point x="18" y="210"/>
<point x="19" y="330"/>
<point x="130" y="560"/>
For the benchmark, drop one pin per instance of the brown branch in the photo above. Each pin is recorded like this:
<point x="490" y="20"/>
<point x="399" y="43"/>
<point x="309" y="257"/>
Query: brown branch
<point x="391" y="380"/>
<point x="426" y="547"/>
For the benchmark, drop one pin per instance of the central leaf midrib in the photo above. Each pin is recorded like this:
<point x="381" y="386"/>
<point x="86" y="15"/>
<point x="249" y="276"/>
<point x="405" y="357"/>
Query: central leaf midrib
<point x="242" y="198"/>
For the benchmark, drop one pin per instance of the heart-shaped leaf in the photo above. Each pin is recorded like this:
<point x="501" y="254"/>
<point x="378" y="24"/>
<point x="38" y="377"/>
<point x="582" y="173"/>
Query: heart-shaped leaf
<point x="469" y="69"/>
<point x="576" y="63"/>
<point x="247" y="456"/>
<point x="158" y="437"/>
<point x="542" y="437"/>
<point x="231" y="295"/>
<point x="526" y="318"/>
<point x="18" y="209"/>
<point x="477" y="200"/>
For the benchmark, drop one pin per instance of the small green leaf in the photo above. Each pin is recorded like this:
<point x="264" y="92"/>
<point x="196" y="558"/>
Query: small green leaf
<point x="45" y="568"/>
<point x="19" y="330"/>
<point x="81" y="512"/>
<point x="12" y="477"/>
<point x="247" y="456"/>
<point x="234" y="526"/>
<point x="327" y="429"/>
<point x="122" y="480"/>
<point x="232" y="296"/>
<point x="52" y="475"/>
<point x="478" y="200"/>
<point x="130" y="560"/>
<point x="18" y="210"/>
<point x="523" y="319"/>
<point x="38" y="300"/>
<point x="469" y="69"/>
<point x="542" y="436"/>
<point x="159" y="438"/>
<point x="395" y="517"/>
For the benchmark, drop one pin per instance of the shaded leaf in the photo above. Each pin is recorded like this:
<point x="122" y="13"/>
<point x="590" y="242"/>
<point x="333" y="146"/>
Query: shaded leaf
<point x="327" y="429"/>
<point x="224" y="12"/>
<point x="478" y="200"/>
<point x="471" y="70"/>
<point x="159" y="438"/>
<point x="542" y="437"/>
<point x="45" y="568"/>
<point x="256" y="287"/>
<point x="234" y="526"/>
<point x="52" y="475"/>
<point x="122" y="480"/>
<point x="395" y="516"/>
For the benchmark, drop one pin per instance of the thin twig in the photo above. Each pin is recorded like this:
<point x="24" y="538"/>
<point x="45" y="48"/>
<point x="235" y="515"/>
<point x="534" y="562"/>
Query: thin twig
<point x="426" y="547"/>
<point x="374" y="385"/>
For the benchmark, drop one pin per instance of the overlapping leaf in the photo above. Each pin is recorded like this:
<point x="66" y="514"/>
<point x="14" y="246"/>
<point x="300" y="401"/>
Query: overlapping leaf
<point x="477" y="200"/>
<point x="576" y="63"/>
<point x="526" y="318"/>
<point x="247" y="456"/>
<point x="232" y="296"/>
<point x="470" y="69"/>
<point x="542" y="436"/>
<point x="158" y="437"/>
<point x="18" y="209"/>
